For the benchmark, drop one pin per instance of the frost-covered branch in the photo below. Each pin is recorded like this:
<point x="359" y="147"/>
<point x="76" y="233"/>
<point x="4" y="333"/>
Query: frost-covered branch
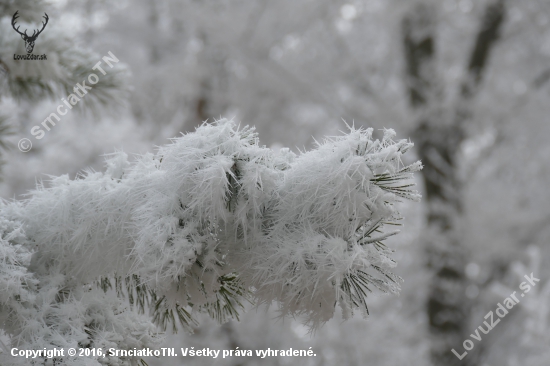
<point x="209" y="221"/>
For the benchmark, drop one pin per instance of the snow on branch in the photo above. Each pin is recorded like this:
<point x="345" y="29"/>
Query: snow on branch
<point x="208" y="222"/>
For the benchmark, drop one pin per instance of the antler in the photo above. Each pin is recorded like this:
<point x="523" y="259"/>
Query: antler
<point x="15" y="16"/>
<point x="34" y="34"/>
<point x="43" y="25"/>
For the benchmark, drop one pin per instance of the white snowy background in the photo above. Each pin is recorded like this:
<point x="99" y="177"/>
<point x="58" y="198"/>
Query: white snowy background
<point x="299" y="70"/>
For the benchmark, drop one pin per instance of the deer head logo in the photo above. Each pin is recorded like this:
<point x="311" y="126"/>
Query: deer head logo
<point x="29" y="40"/>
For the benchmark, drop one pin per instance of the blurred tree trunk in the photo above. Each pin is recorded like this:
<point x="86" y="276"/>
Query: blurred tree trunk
<point x="154" y="52"/>
<point x="202" y="104"/>
<point x="438" y="137"/>
<point x="233" y="343"/>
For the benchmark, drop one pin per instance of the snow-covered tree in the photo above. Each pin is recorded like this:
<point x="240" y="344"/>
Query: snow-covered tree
<point x="441" y="130"/>
<point x="69" y="63"/>
<point x="206" y="223"/>
<point x="479" y="127"/>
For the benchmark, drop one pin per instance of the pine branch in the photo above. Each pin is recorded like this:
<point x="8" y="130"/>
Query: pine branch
<point x="210" y="221"/>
